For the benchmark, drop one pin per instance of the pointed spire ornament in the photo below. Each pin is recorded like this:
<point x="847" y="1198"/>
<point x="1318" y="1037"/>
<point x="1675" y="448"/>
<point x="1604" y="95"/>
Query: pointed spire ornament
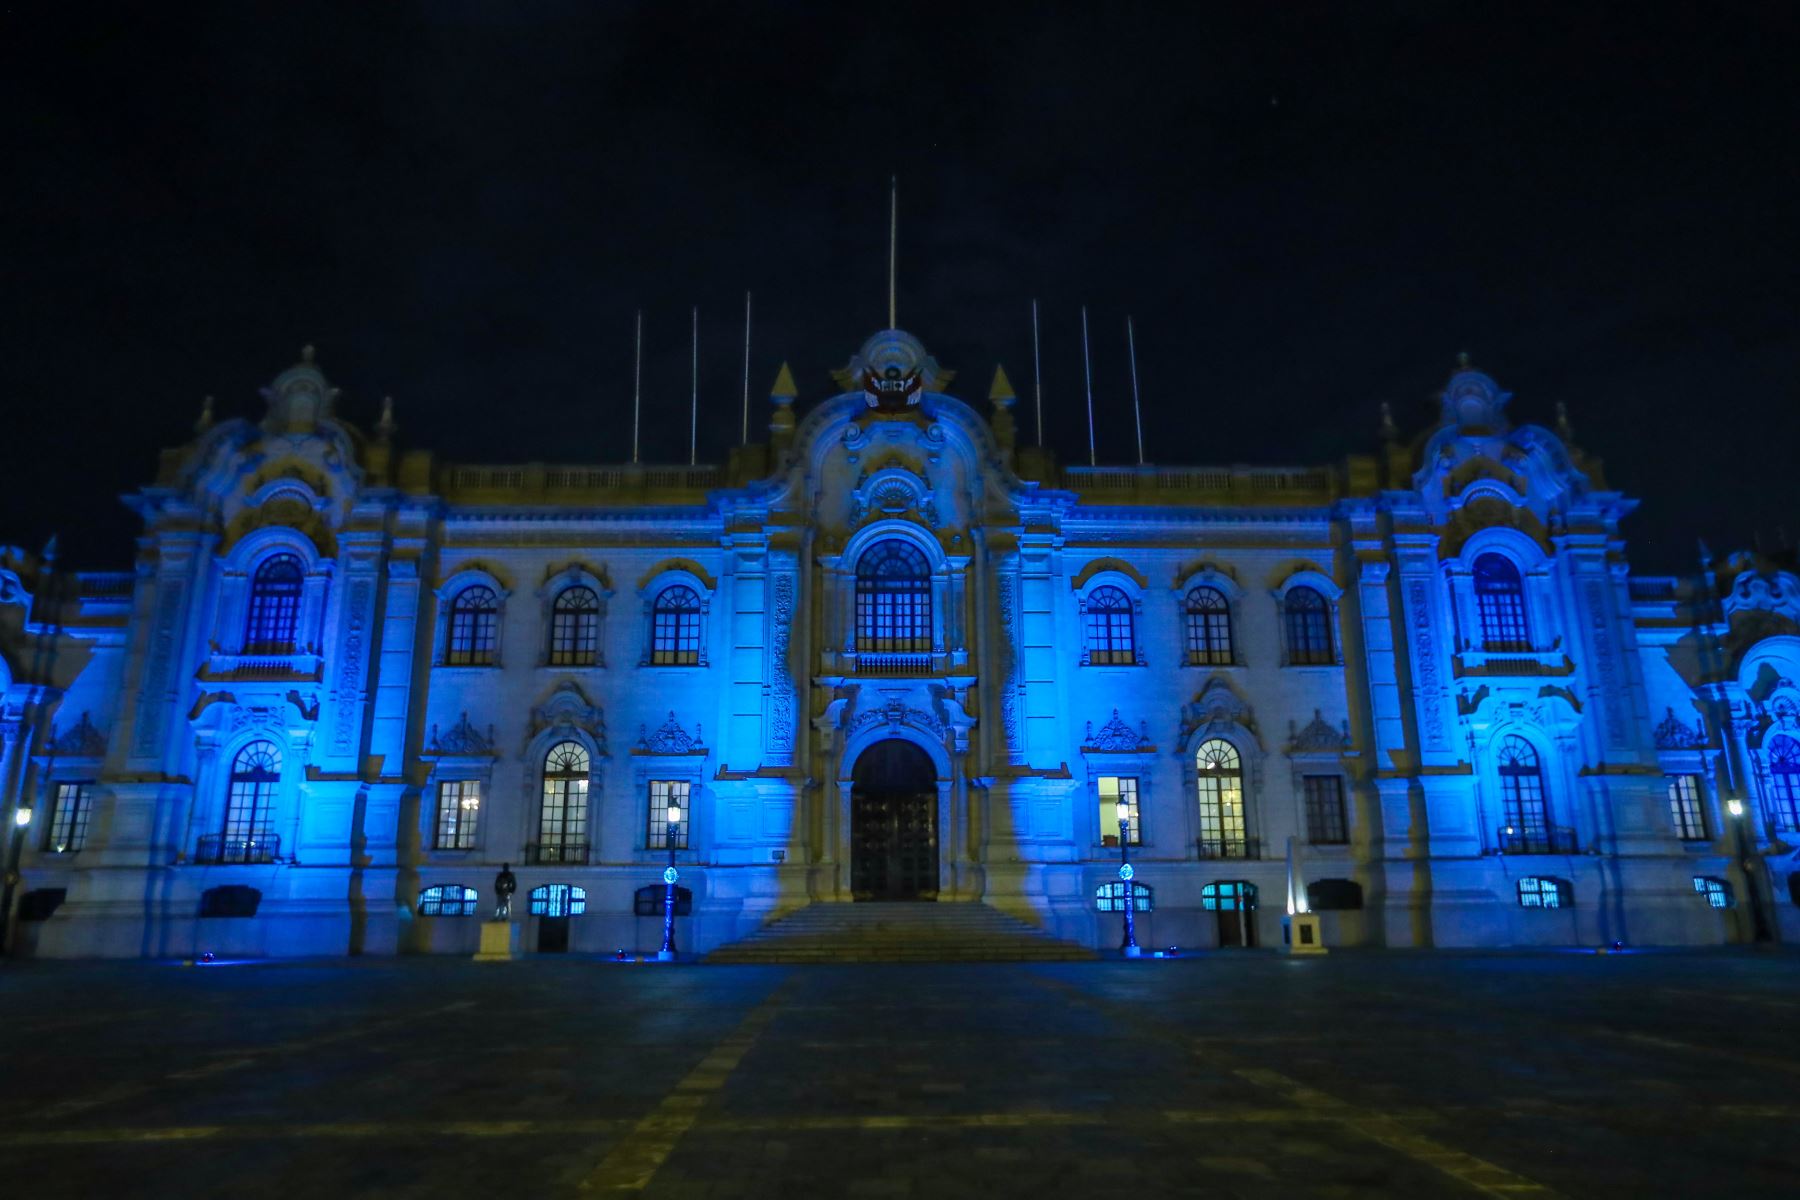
<point x="1563" y="429"/>
<point x="307" y="354"/>
<point x="1462" y="361"/>
<point x="781" y="425"/>
<point x="1388" y="431"/>
<point x="386" y="426"/>
<point x="206" y="416"/>
<point x="1002" y="390"/>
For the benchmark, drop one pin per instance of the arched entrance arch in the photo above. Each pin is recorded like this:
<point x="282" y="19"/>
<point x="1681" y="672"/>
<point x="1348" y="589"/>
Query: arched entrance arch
<point x="893" y="823"/>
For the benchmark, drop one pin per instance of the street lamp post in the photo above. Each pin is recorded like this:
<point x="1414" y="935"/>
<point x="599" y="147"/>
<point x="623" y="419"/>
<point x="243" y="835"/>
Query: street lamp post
<point x="1129" y="947"/>
<point x="670" y="875"/>
<point x="14" y="856"/>
<point x="1759" y="925"/>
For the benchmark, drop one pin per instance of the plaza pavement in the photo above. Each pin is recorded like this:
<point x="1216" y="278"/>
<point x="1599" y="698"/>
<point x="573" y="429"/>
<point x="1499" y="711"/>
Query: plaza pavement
<point x="1228" y="1075"/>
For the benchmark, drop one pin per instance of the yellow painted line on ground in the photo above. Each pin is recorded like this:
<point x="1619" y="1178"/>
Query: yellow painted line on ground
<point x="1383" y="1128"/>
<point x="634" y="1161"/>
<point x="1663" y="1043"/>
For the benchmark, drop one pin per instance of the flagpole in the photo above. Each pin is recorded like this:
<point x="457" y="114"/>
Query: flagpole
<point x="694" y="412"/>
<point x="1037" y="373"/>
<point x="1137" y="410"/>
<point x="745" y="440"/>
<point x="1087" y="372"/>
<point x="637" y="386"/>
<point x="893" y="244"/>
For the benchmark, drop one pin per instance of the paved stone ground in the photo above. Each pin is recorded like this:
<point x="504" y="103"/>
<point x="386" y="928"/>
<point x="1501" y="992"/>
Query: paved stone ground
<point x="1234" y="1075"/>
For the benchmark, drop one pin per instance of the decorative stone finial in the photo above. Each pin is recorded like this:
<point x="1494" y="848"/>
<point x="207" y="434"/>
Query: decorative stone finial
<point x="1462" y="361"/>
<point x="1001" y="393"/>
<point x="307" y="353"/>
<point x="1388" y="430"/>
<point x="1563" y="429"/>
<point x="784" y="390"/>
<point x="1706" y="556"/>
<point x="206" y="416"/>
<point x="384" y="428"/>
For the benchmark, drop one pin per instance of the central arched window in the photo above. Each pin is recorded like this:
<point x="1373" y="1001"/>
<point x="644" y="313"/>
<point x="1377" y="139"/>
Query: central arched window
<point x="1110" y="636"/>
<point x="1208" y="627"/>
<point x="675" y="627"/>
<point x="1219" y="772"/>
<point x="1500" y="604"/>
<point x="1784" y="781"/>
<point x="562" y="818"/>
<point x="575" y="628"/>
<point x="893" y="600"/>
<point x="474" y="627"/>
<point x="250" y="804"/>
<point x="1308" y="619"/>
<point x="274" y="605"/>
<point x="1524" y="807"/>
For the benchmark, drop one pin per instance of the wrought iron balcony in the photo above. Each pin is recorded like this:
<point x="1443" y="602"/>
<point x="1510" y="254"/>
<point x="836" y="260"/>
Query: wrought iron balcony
<point x="216" y="848"/>
<point x="1551" y="840"/>
<point x="557" y="854"/>
<point x="1230" y="848"/>
<point x="871" y="662"/>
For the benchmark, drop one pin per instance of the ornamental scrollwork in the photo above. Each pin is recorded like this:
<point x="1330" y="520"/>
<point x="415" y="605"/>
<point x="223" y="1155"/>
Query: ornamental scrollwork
<point x="1116" y="737"/>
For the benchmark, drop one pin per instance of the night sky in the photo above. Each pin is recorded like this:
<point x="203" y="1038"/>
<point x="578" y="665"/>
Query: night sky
<point x="1307" y="209"/>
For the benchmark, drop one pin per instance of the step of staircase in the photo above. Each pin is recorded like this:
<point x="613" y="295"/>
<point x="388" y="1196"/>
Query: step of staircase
<point x="905" y="931"/>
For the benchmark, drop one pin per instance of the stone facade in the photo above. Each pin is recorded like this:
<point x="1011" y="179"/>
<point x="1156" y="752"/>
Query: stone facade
<point x="346" y="683"/>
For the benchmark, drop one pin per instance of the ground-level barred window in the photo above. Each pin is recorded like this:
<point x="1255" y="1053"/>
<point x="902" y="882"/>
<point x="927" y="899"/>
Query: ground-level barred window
<point x="1325" y="824"/>
<point x="664" y="792"/>
<point x="459" y="812"/>
<point x="1110" y="897"/>
<point x="69" y="819"/>
<point x="1718" y="892"/>
<point x="1541" y="891"/>
<point x="557" y="900"/>
<point x="1686" y="809"/>
<point x="1113" y="790"/>
<point x="448" y="900"/>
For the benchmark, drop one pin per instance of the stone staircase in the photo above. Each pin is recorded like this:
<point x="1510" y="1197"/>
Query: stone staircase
<point x="906" y="931"/>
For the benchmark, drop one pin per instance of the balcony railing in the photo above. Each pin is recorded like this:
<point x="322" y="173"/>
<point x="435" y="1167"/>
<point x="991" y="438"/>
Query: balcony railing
<point x="1513" y="840"/>
<point x="216" y="848"/>
<point x="557" y="854"/>
<point x="1230" y="848"/>
<point x="869" y="662"/>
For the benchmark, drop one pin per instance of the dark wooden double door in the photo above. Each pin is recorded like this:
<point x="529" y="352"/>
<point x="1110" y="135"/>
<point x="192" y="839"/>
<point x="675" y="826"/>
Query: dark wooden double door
<point x="893" y="824"/>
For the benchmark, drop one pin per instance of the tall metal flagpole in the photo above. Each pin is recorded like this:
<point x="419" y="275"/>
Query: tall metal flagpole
<point x="1137" y="411"/>
<point x="637" y="386"/>
<point x="745" y="439"/>
<point x="1087" y="372"/>
<point x="1037" y="373"/>
<point x="893" y="244"/>
<point x="694" y="411"/>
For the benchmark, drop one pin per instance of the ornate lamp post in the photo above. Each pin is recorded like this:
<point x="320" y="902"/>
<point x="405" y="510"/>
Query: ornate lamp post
<point x="1758" y="923"/>
<point x="1129" y="947"/>
<point x="670" y="875"/>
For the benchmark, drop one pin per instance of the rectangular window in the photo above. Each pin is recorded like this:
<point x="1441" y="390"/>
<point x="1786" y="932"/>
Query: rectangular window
<point x="1686" y="809"/>
<point x="69" y="819"/>
<point x="1114" y="788"/>
<point x="663" y="792"/>
<point x="1325" y="824"/>
<point x="459" y="810"/>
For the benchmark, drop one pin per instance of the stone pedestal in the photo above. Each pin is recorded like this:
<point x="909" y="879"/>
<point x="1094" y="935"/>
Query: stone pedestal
<point x="1300" y="934"/>
<point x="499" y="942"/>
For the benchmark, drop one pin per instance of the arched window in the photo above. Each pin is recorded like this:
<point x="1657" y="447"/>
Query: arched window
<point x="1208" y="627"/>
<point x="1784" y="781"/>
<point x="575" y="628"/>
<point x="474" y="623"/>
<point x="557" y="900"/>
<point x="675" y="628"/>
<point x="448" y="900"/>
<point x="1308" y="618"/>
<point x="1500" y="603"/>
<point x="250" y="804"/>
<point x="274" y="605"/>
<point x="1524" y="807"/>
<point x="1110" y="639"/>
<point x="562" y="818"/>
<point x="1220" y="775"/>
<point x="893" y="600"/>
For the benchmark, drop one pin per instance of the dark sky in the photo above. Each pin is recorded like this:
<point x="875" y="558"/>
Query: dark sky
<point x="1308" y="209"/>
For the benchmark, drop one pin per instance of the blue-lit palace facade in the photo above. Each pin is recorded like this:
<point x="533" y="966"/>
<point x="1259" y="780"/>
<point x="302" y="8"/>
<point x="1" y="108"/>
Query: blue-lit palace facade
<point x="890" y="653"/>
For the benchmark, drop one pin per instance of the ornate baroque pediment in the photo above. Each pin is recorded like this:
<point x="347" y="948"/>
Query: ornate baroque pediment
<point x="1116" y="737"/>
<point x="1319" y="737"/>
<point x="1216" y="709"/>
<point x="462" y="738"/>
<point x="671" y="738"/>
<point x="1672" y="733"/>
<point x="80" y="740"/>
<point x="568" y="708"/>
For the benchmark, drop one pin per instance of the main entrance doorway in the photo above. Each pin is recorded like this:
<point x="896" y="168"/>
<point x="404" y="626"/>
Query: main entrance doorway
<point x="893" y="824"/>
